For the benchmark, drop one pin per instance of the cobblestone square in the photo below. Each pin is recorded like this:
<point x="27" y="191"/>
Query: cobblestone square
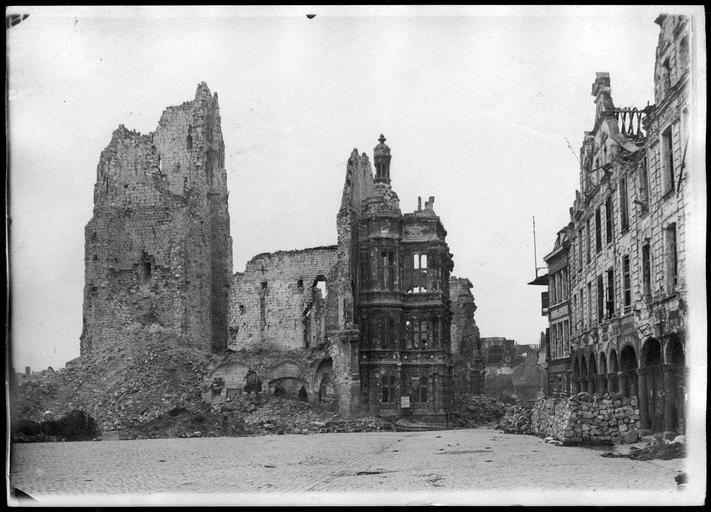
<point x="448" y="466"/>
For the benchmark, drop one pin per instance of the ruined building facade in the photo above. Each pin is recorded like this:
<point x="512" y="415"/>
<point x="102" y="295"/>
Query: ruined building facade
<point x="364" y="322"/>
<point x="467" y="358"/>
<point x="158" y="247"/>
<point x="623" y="278"/>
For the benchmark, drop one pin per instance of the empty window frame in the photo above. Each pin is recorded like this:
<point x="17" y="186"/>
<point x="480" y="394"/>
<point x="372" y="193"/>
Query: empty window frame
<point x="644" y="197"/>
<point x="600" y="299"/>
<point x="608" y="220"/>
<point x="387" y="389"/>
<point x="667" y="156"/>
<point x="646" y="271"/>
<point x="671" y="257"/>
<point x="386" y="270"/>
<point x="598" y="230"/>
<point x="624" y="212"/>
<point x="626" y="283"/>
<point x="610" y="298"/>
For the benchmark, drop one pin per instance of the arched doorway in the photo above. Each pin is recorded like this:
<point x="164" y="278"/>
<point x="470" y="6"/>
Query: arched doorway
<point x="584" y="383"/>
<point x="628" y="371"/>
<point x="603" y="373"/>
<point x="676" y="360"/>
<point x="652" y="363"/>
<point x="576" y="376"/>
<point x="324" y="385"/>
<point x="613" y="386"/>
<point x="592" y="375"/>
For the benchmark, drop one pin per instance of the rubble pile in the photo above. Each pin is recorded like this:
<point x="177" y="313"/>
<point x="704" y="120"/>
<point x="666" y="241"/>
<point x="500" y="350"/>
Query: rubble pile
<point x="135" y="382"/>
<point x="75" y="426"/>
<point x="661" y="449"/>
<point x="470" y="411"/>
<point x="517" y="420"/>
<point x="658" y="448"/>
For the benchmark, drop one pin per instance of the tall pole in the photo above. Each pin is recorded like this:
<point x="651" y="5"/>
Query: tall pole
<point x="535" y="257"/>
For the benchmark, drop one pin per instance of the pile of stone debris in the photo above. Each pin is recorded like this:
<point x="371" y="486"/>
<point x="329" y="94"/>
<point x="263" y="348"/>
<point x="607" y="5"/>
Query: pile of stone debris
<point x="656" y="448"/>
<point x="470" y="411"/>
<point x="251" y="416"/>
<point x="140" y="380"/>
<point x="516" y="420"/>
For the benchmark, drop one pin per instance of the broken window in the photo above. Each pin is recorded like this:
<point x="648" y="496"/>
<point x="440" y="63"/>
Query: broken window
<point x="608" y="219"/>
<point x="646" y="271"/>
<point x="580" y="249"/>
<point x="643" y="186"/>
<point x="419" y="389"/>
<point x="600" y="299"/>
<point x="386" y="270"/>
<point x="624" y="213"/>
<point x="588" y="239"/>
<point x="300" y="285"/>
<point x="667" y="160"/>
<point x="418" y="279"/>
<point x="670" y="253"/>
<point x="590" y="304"/>
<point x="626" y="282"/>
<point x="387" y="389"/>
<point x="389" y="333"/>
<point x="409" y="333"/>
<point x="435" y="331"/>
<point x="610" y="302"/>
<point x="420" y="338"/>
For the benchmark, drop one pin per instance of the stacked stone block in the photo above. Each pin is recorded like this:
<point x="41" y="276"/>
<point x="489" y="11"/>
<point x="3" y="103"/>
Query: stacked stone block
<point x="582" y="418"/>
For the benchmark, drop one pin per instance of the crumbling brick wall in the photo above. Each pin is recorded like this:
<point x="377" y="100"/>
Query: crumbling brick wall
<point x="467" y="360"/>
<point x="158" y="247"/>
<point x="277" y="302"/>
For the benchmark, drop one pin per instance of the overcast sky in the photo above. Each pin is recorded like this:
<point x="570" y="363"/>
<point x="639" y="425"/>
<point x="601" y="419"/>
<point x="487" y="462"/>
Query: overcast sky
<point x="476" y="105"/>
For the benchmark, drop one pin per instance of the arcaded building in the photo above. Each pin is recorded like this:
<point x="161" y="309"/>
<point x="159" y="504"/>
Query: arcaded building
<point x="623" y="277"/>
<point x="364" y="322"/>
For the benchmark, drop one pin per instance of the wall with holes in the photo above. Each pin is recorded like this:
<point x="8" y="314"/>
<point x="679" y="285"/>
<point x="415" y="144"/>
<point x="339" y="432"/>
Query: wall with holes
<point x="158" y="247"/>
<point x="280" y="300"/>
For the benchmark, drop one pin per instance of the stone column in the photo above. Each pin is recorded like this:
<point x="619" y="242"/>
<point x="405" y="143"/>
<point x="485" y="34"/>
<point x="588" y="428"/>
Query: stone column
<point x="643" y="399"/>
<point x="668" y="397"/>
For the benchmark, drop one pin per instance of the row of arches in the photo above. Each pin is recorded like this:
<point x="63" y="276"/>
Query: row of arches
<point x="656" y="377"/>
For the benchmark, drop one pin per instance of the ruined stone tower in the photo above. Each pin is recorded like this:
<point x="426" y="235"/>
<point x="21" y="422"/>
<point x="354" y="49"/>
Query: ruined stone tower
<point x="158" y="247"/>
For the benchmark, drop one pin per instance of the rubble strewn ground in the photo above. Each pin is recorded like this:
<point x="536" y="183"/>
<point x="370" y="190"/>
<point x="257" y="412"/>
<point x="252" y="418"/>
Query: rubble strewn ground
<point x="137" y="381"/>
<point x="470" y="411"/>
<point x="150" y="387"/>
<point x="516" y="420"/>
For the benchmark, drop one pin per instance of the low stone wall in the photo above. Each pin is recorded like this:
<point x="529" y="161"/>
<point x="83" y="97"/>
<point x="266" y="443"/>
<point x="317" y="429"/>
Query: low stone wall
<point x="582" y="418"/>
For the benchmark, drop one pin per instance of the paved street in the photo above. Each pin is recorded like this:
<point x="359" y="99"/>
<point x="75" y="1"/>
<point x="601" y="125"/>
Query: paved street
<point x="450" y="466"/>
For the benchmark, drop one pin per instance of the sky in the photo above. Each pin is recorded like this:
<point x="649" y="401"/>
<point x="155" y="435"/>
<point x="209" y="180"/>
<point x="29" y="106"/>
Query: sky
<point x="477" y="104"/>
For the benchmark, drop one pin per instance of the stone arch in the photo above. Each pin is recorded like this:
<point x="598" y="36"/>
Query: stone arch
<point x="324" y="385"/>
<point x="651" y="353"/>
<point x="602" y="369"/>
<point x="612" y="361"/>
<point x="288" y="387"/>
<point x="675" y="358"/>
<point x="652" y="385"/>
<point x="612" y="369"/>
<point x="592" y="374"/>
<point x="628" y="369"/>
<point x="674" y="353"/>
<point x="576" y="376"/>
